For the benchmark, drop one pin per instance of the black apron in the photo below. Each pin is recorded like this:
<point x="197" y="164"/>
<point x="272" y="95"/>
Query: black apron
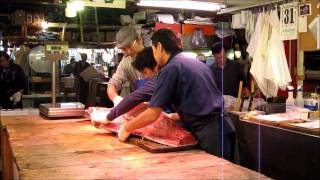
<point x="215" y="133"/>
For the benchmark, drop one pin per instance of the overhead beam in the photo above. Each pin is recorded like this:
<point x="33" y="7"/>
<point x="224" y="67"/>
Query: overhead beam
<point x="239" y="8"/>
<point x="235" y="2"/>
<point x="113" y="4"/>
<point x="37" y="2"/>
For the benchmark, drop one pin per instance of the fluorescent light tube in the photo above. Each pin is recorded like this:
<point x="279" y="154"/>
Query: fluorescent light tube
<point x="182" y="4"/>
<point x="44" y="25"/>
<point x="69" y="12"/>
<point x="77" y="5"/>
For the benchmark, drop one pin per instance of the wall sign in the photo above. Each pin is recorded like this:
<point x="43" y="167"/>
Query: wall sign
<point x="289" y="21"/>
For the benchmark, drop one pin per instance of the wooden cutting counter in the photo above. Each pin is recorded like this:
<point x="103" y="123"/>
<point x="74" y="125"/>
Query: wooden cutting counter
<point x="34" y="148"/>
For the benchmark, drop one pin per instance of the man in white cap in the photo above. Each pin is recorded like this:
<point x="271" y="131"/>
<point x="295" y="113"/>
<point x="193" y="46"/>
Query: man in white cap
<point x="129" y="41"/>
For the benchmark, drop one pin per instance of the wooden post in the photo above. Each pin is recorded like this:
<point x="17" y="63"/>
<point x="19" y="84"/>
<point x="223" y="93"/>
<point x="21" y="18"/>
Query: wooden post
<point x="81" y="28"/>
<point x="97" y="24"/>
<point x="239" y="96"/>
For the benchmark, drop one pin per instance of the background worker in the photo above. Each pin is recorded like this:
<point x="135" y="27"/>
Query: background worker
<point x="129" y="41"/>
<point x="227" y="73"/>
<point x="69" y="68"/>
<point x="13" y="83"/>
<point x="146" y="64"/>
<point x="187" y="84"/>
<point x="82" y="85"/>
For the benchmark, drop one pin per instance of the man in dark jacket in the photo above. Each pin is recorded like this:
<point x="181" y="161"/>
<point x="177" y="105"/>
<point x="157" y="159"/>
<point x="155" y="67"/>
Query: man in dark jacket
<point x="82" y="85"/>
<point x="227" y="73"/>
<point x="13" y="83"/>
<point x="69" y="68"/>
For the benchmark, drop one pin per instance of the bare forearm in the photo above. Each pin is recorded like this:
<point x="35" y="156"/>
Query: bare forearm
<point x="112" y="92"/>
<point x="147" y="117"/>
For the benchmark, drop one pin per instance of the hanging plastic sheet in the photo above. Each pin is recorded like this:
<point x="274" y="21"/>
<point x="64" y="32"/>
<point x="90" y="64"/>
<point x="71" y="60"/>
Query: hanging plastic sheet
<point x="198" y="40"/>
<point x="269" y="67"/>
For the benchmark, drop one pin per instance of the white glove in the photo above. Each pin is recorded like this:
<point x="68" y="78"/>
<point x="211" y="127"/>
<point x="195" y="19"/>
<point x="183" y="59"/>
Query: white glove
<point x="98" y="118"/>
<point x="97" y="124"/>
<point x="117" y="100"/>
<point x="123" y="134"/>
<point x="16" y="97"/>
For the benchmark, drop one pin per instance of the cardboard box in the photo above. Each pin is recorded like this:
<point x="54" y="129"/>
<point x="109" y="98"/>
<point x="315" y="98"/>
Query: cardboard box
<point x="67" y="36"/>
<point x="18" y="17"/>
<point x="29" y="19"/>
<point x="206" y="29"/>
<point x="88" y="73"/>
<point x="111" y="36"/>
<point x="95" y="37"/>
<point x="175" y="27"/>
<point x="37" y="18"/>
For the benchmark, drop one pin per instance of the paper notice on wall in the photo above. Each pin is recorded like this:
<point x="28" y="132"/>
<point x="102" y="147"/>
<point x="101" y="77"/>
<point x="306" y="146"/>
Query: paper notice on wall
<point x="309" y="125"/>
<point x="314" y="27"/>
<point x="303" y="24"/>
<point x="289" y="21"/>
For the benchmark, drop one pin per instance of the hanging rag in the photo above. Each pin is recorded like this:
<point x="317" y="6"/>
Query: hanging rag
<point x="250" y="26"/>
<point x="269" y="67"/>
<point x="277" y="71"/>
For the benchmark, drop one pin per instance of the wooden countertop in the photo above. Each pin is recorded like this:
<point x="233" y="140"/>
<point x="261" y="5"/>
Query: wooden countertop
<point x="34" y="148"/>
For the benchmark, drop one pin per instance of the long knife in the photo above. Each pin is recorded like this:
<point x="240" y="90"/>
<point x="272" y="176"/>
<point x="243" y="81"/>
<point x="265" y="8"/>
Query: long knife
<point x="251" y="95"/>
<point x="239" y="96"/>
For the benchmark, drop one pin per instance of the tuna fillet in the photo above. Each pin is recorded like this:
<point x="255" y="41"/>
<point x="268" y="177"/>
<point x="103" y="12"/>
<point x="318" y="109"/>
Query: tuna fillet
<point x="164" y="130"/>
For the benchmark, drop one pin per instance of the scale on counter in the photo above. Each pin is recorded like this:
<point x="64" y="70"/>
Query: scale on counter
<point x="56" y="51"/>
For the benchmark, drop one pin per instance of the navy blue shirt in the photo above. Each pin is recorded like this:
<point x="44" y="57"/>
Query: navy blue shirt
<point x="228" y="78"/>
<point x="140" y="95"/>
<point x="188" y="84"/>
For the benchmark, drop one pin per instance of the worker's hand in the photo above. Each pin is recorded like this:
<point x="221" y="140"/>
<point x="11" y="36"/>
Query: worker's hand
<point x="246" y="92"/>
<point x="174" y="116"/>
<point x="16" y="97"/>
<point x="117" y="100"/>
<point x="98" y="118"/>
<point x="123" y="134"/>
<point x="97" y="124"/>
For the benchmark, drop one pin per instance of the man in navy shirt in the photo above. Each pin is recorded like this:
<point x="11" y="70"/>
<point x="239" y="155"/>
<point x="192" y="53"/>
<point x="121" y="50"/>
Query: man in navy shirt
<point x="188" y="85"/>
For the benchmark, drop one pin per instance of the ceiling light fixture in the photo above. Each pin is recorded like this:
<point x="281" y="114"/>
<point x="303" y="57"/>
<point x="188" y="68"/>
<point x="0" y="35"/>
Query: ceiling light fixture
<point x="44" y="25"/>
<point x="182" y="4"/>
<point x="78" y="5"/>
<point x="72" y="7"/>
<point x="70" y="12"/>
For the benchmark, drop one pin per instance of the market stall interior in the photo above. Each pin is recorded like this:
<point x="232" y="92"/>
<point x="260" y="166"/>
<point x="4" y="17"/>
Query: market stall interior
<point x="98" y="66"/>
